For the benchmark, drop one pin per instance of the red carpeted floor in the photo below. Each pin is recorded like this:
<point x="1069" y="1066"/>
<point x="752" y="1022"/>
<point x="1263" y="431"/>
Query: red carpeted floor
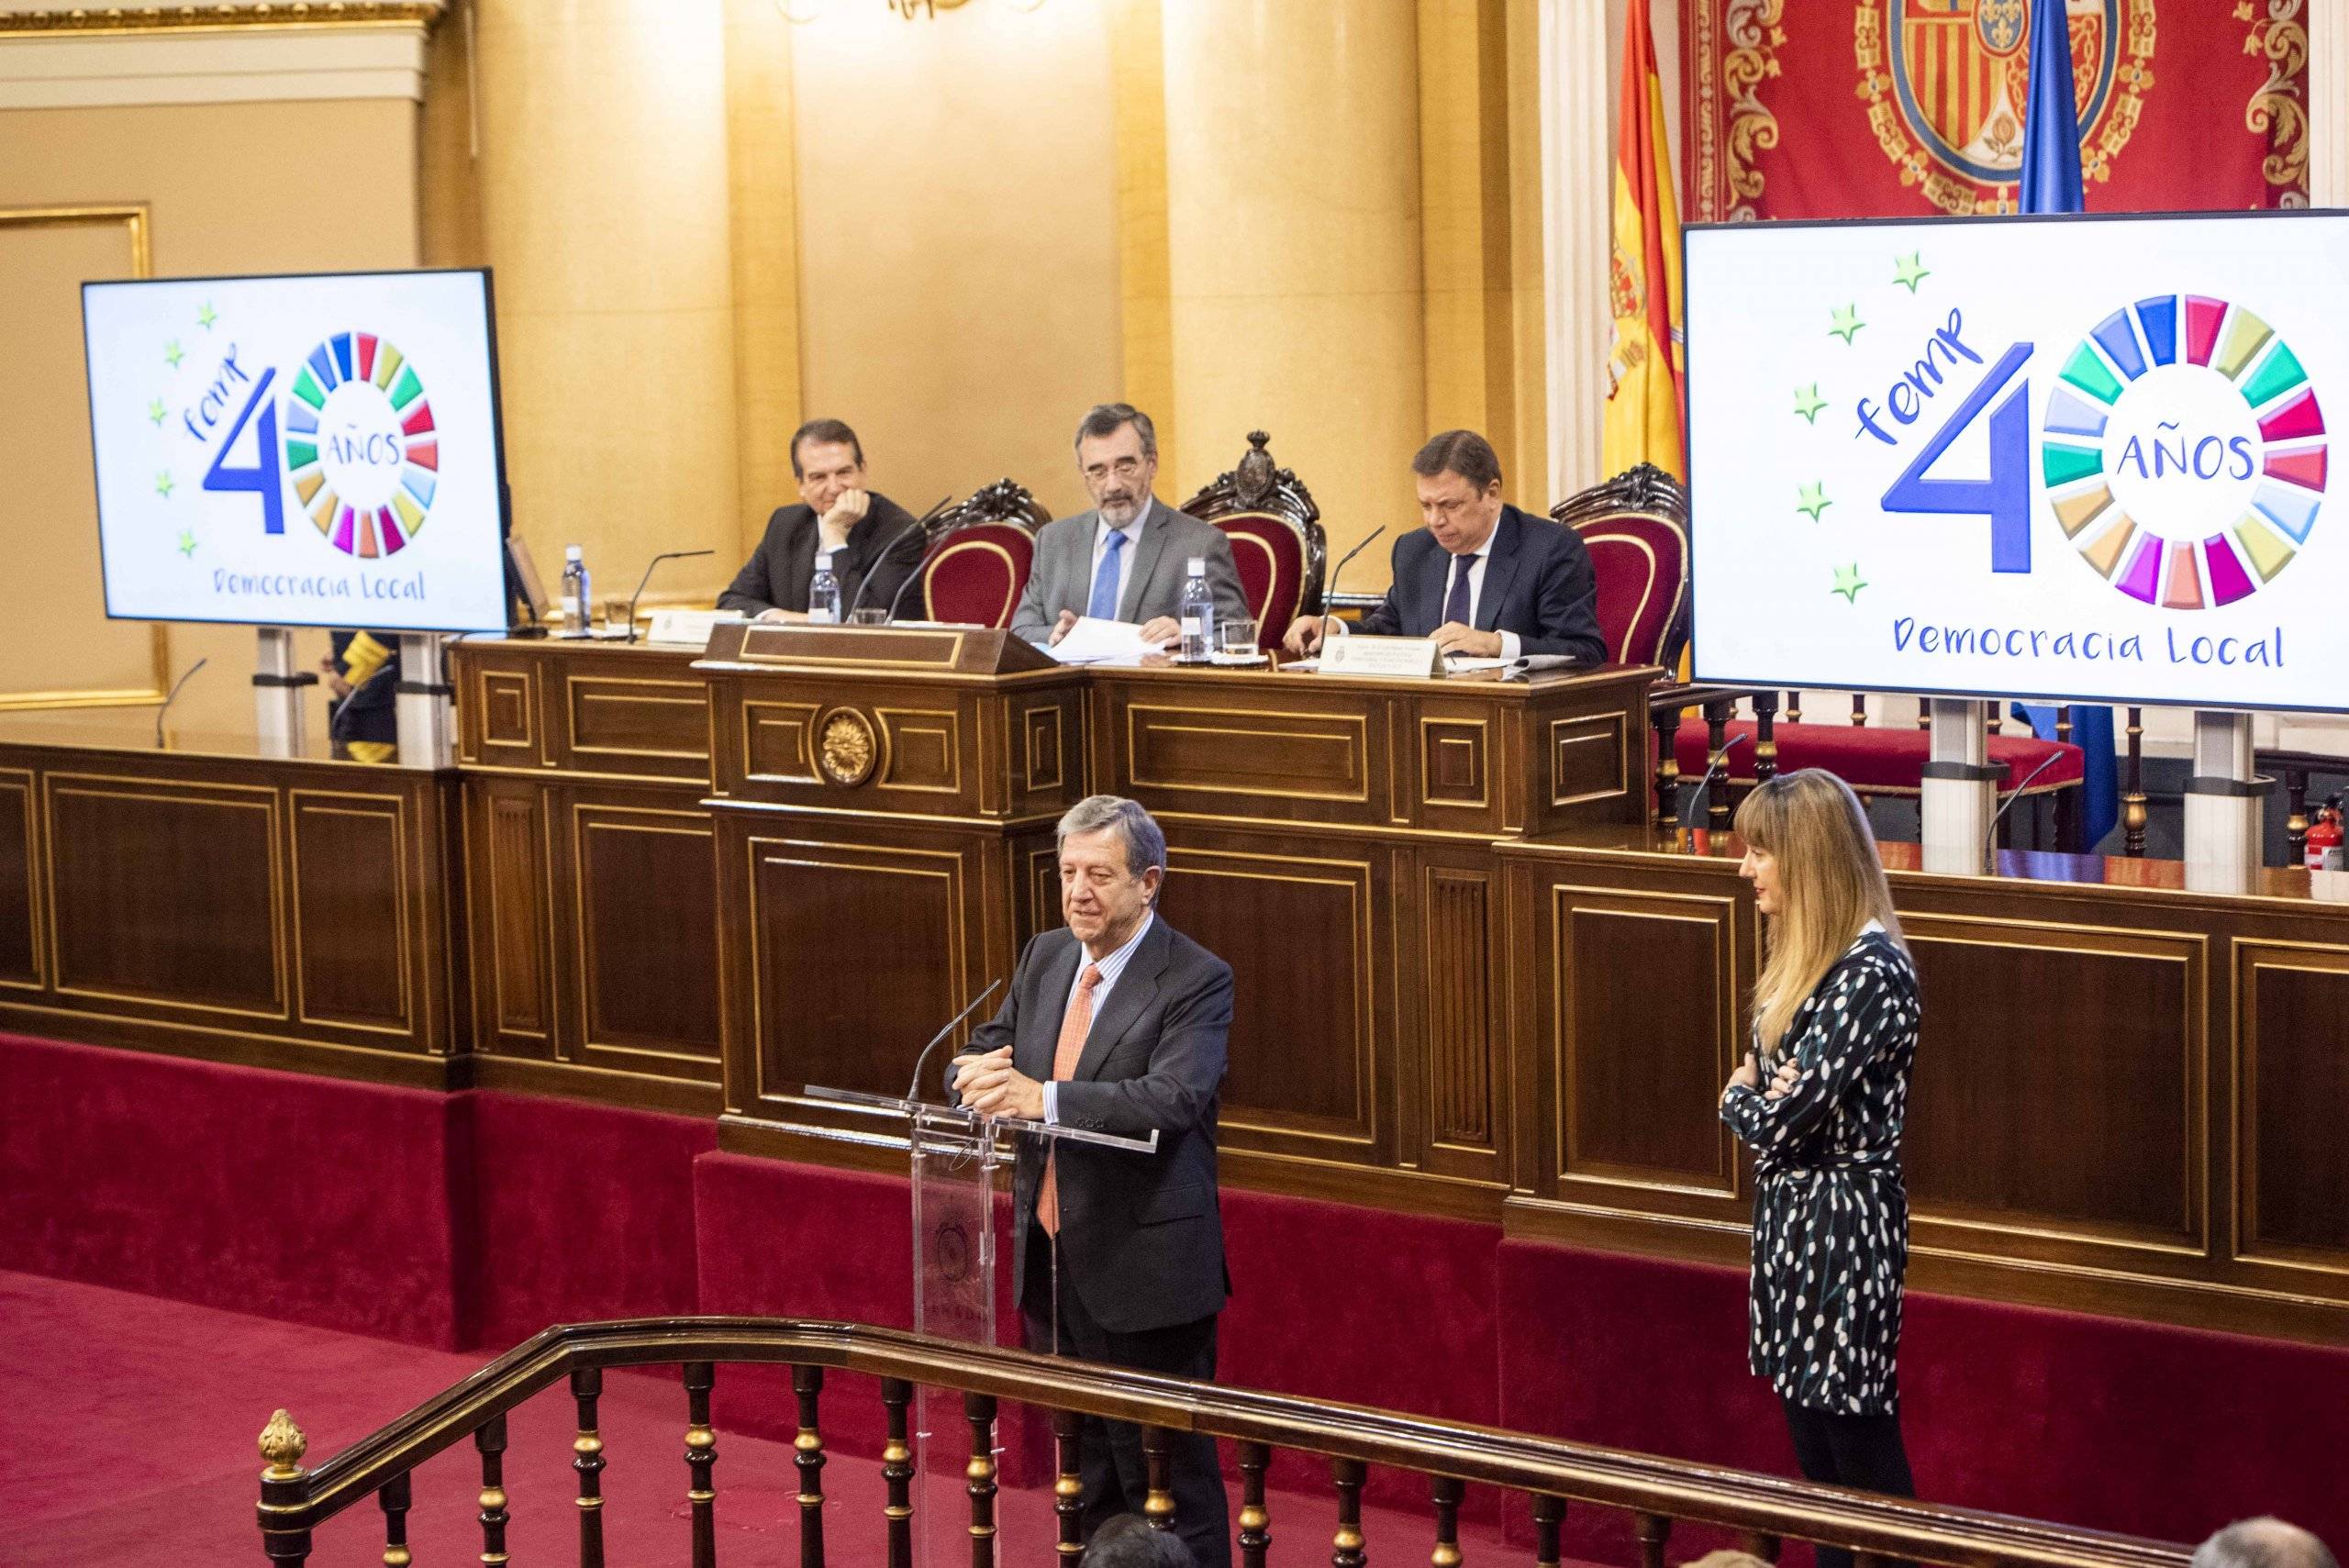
<point x="127" y="1426"/>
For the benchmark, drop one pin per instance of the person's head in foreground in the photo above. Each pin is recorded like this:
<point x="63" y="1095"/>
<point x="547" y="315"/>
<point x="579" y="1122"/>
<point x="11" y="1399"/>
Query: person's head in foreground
<point x="2263" y="1542"/>
<point x="1126" y="1541"/>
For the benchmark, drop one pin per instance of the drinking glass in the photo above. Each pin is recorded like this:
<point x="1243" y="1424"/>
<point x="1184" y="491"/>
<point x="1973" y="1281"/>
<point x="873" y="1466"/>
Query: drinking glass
<point x="869" y="615"/>
<point x="1235" y="638"/>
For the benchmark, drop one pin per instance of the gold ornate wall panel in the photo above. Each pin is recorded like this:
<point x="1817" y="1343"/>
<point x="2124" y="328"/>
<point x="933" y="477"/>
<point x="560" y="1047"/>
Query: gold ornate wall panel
<point x="20" y="947"/>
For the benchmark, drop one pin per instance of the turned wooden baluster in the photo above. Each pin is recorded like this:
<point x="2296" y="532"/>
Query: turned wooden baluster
<point x="2295" y="822"/>
<point x="1666" y="723"/>
<point x="807" y="1453"/>
<point x="1654" y="1530"/>
<point x="490" y="1440"/>
<point x="1158" y="1465"/>
<point x="393" y="1495"/>
<point x="1445" y="1490"/>
<point x="1256" y="1520"/>
<point x="1346" y="1546"/>
<point x="284" y="1485"/>
<point x="1766" y="1547"/>
<point x="1794" y="707"/>
<point x="2133" y="810"/>
<point x="2063" y="723"/>
<point x="1716" y="718"/>
<point x="586" y="1387"/>
<point x="897" y="1472"/>
<point x="1859" y="710"/>
<point x="1549" y="1514"/>
<point x="979" y="1410"/>
<point x="1994" y="716"/>
<point x="1765" y="737"/>
<point x="701" y="1454"/>
<point x="1068" y="1481"/>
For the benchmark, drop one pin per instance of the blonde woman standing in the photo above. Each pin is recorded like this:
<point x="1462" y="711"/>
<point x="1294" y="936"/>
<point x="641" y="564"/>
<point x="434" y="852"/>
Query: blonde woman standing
<point x="1820" y="1101"/>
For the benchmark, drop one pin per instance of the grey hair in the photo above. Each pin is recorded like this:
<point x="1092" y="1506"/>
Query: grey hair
<point x="1146" y="841"/>
<point x="2263" y="1542"/>
<point x="1104" y="419"/>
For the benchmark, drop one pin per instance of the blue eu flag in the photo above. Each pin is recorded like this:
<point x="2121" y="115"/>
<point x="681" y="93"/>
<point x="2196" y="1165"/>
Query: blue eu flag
<point x="2051" y="182"/>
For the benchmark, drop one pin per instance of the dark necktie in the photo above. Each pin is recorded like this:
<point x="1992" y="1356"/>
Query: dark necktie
<point x="1455" y="603"/>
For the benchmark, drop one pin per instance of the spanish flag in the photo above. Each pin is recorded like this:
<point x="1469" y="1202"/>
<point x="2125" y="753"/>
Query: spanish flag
<point x="1643" y="369"/>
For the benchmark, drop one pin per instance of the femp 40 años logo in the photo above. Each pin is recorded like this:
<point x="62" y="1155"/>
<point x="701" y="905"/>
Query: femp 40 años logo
<point x="360" y="444"/>
<point x="2184" y="452"/>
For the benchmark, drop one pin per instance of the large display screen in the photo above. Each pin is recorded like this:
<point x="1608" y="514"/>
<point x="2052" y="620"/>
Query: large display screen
<point x="2054" y="458"/>
<point x="315" y="450"/>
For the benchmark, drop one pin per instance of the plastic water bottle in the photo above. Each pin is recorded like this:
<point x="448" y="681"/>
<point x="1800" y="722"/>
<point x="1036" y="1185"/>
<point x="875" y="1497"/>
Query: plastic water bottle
<point x="576" y="599"/>
<point x="824" y="593"/>
<point x="1197" y="610"/>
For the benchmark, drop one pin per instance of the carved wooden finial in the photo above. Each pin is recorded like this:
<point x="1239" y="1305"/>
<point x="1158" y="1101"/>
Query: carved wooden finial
<point x="1253" y="481"/>
<point x="283" y="1444"/>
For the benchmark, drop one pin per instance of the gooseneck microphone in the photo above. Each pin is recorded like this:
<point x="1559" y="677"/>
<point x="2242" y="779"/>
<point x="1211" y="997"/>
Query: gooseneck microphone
<point x="864" y="585"/>
<point x="1990" y="837"/>
<point x="665" y="555"/>
<point x="174" y="696"/>
<point x="1330" y="591"/>
<point x="1719" y="763"/>
<point x="914" y="576"/>
<point x="913" y="1090"/>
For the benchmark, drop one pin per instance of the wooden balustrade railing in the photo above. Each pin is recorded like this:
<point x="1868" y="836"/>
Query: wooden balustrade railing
<point x="1657" y="1493"/>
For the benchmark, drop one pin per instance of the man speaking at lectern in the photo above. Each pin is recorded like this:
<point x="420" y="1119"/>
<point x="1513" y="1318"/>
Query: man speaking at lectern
<point x="1118" y="1022"/>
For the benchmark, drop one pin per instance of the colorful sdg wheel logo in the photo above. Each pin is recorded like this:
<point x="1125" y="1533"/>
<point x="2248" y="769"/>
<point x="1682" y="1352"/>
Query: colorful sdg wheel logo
<point x="360" y="445"/>
<point x="2184" y="452"/>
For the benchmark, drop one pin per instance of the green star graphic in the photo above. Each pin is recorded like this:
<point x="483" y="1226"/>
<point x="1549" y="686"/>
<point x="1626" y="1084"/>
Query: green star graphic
<point x="1813" y="499"/>
<point x="1808" y="403"/>
<point x="207" y="315"/>
<point x="155" y="410"/>
<point x="1909" y="270"/>
<point x="1847" y="322"/>
<point x="1848" y="583"/>
<point x="187" y="542"/>
<point x="171" y="354"/>
<point x="163" y="483"/>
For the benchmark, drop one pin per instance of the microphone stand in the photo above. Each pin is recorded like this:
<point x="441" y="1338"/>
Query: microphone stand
<point x="665" y="555"/>
<point x="864" y="585"/>
<point x="1719" y="763"/>
<point x="174" y="697"/>
<point x="1990" y="837"/>
<point x="913" y="1090"/>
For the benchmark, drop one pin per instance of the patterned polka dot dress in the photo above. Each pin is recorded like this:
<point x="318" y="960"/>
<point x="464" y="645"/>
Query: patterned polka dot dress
<point x="1830" y="1214"/>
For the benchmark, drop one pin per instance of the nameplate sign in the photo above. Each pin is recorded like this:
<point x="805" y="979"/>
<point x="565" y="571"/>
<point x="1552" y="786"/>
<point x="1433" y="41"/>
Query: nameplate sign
<point x="687" y="628"/>
<point x="1416" y="658"/>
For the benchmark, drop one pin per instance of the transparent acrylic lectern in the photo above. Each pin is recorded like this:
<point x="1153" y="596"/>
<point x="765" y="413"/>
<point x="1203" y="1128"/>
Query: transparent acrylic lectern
<point x="960" y="1159"/>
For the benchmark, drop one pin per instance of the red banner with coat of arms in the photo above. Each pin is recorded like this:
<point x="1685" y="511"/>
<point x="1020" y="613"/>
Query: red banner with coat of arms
<point x="1881" y="108"/>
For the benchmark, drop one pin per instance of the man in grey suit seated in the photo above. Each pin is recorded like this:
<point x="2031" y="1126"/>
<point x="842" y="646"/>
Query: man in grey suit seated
<point x="1124" y="559"/>
<point x="1119" y="1022"/>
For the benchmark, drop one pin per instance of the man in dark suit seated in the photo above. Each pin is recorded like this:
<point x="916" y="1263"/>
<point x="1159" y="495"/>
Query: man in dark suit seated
<point x="1118" y="1022"/>
<point x="1484" y="579"/>
<point x="865" y="531"/>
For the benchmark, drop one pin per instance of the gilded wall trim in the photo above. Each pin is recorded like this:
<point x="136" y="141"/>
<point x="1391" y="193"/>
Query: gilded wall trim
<point x="119" y="21"/>
<point x="139" y="225"/>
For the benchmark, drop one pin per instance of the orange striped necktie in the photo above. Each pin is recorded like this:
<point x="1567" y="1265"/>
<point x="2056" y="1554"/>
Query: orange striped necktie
<point x="1076" y="1024"/>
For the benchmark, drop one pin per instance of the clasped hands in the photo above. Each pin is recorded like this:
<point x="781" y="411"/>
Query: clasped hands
<point x="1749" y="1077"/>
<point x="1161" y="632"/>
<point x="1306" y="633"/>
<point x="991" y="1085"/>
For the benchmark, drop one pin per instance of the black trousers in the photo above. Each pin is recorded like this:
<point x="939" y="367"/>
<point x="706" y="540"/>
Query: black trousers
<point x="1860" y="1452"/>
<point x="1117" y="1481"/>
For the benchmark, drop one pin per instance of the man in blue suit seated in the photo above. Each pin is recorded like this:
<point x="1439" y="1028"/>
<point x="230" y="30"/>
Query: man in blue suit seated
<point x="1483" y="579"/>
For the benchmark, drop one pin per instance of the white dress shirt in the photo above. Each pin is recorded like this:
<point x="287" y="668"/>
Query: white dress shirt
<point x="1512" y="644"/>
<point x="1102" y="529"/>
<point x="1111" y="967"/>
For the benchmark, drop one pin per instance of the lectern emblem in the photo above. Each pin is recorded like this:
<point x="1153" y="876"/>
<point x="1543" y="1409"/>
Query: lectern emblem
<point x="953" y="1250"/>
<point x="845" y="748"/>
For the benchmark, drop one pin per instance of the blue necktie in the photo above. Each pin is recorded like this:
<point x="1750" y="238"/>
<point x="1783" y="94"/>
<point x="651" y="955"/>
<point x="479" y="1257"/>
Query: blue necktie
<point x="1104" y="605"/>
<point x="1455" y="603"/>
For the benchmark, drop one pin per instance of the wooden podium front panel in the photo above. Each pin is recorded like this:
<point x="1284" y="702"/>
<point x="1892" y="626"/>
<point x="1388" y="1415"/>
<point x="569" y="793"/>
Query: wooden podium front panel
<point x="2125" y="1099"/>
<point x="584" y="706"/>
<point x="288" y="912"/>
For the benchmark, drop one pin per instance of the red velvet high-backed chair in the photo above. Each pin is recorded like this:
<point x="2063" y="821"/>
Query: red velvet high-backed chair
<point x="1276" y="533"/>
<point x="1636" y="527"/>
<point x="980" y="553"/>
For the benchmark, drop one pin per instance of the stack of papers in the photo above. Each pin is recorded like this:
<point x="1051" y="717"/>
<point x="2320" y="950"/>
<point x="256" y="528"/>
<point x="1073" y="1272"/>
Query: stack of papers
<point x="1091" y="642"/>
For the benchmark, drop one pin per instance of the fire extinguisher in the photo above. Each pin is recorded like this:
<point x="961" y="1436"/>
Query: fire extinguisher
<point x="2324" y="845"/>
